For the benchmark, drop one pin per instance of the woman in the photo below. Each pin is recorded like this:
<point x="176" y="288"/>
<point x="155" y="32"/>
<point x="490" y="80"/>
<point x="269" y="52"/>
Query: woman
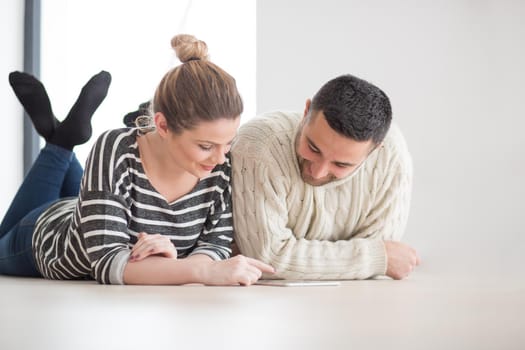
<point x="154" y="204"/>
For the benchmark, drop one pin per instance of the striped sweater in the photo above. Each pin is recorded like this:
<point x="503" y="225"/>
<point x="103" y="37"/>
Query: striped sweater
<point x="334" y="231"/>
<point x="92" y="235"/>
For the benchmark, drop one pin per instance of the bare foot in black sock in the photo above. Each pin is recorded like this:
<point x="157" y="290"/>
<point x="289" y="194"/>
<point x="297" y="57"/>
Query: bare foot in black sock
<point x="76" y="128"/>
<point x="33" y="96"/>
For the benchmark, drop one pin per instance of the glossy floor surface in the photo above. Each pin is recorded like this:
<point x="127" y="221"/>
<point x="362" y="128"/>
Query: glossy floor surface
<point x="426" y="311"/>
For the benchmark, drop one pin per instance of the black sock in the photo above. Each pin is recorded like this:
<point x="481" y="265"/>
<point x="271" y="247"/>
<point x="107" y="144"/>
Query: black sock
<point x="76" y="128"/>
<point x="130" y="118"/>
<point x="33" y="96"/>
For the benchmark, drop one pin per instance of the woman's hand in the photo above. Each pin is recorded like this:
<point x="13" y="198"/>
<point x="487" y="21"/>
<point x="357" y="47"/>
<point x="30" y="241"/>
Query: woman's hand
<point x="148" y="245"/>
<point x="234" y="271"/>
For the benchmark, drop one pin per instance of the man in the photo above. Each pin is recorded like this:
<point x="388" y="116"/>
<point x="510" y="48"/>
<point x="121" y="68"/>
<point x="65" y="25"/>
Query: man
<point x="326" y="194"/>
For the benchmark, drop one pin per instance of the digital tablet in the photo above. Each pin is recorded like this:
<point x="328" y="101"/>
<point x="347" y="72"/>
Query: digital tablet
<point x="297" y="283"/>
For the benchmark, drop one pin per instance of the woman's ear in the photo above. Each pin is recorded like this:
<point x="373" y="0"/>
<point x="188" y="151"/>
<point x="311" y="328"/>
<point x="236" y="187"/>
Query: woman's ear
<point x="161" y="124"/>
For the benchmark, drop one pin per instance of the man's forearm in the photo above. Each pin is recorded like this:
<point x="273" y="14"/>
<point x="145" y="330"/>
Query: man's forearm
<point x="304" y="259"/>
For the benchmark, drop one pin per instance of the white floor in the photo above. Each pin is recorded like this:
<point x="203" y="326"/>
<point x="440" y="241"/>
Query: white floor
<point x="430" y="310"/>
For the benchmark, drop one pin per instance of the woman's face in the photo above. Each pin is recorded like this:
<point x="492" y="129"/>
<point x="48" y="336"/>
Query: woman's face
<point x="202" y="148"/>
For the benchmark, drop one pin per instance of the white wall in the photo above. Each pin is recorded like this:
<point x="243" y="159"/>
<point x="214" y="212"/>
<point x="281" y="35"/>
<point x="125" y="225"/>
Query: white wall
<point x="454" y="72"/>
<point x="11" y="156"/>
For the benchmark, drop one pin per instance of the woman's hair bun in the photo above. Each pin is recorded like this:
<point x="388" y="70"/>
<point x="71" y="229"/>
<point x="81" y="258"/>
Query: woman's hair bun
<point x="188" y="48"/>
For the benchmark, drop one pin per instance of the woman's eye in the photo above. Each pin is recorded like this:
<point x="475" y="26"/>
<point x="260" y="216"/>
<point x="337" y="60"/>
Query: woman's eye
<point x="205" y="147"/>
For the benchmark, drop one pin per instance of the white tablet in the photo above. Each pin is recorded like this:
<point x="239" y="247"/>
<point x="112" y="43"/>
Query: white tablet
<point x="297" y="283"/>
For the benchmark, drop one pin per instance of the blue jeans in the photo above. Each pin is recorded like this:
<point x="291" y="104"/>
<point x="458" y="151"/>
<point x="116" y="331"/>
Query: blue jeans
<point x="55" y="174"/>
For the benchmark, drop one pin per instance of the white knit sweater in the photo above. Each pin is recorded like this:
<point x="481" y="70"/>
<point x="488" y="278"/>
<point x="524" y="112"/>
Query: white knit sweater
<point x="334" y="231"/>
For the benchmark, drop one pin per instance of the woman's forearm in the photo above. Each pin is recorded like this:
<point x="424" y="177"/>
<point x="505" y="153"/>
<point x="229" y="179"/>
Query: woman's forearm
<point x="158" y="270"/>
<point x="198" y="268"/>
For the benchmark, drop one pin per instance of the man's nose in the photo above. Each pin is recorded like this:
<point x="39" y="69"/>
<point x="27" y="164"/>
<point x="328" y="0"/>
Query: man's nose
<point x="319" y="169"/>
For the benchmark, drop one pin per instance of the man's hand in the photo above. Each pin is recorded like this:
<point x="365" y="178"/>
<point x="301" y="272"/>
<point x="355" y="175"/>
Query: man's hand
<point x="401" y="259"/>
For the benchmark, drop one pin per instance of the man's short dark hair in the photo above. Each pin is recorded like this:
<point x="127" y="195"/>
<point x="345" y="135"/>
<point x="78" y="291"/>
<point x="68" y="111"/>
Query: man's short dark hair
<point x="354" y="108"/>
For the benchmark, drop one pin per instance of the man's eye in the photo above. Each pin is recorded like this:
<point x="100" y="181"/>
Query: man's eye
<point x="205" y="147"/>
<point x="313" y="149"/>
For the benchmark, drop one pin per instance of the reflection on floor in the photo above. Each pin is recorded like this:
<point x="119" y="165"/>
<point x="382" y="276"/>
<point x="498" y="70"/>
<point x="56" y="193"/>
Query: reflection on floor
<point x="426" y="311"/>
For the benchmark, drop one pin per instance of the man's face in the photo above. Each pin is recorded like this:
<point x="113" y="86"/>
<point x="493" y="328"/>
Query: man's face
<point x="323" y="154"/>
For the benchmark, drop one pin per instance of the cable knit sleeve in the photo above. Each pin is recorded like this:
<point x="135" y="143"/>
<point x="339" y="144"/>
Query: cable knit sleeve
<point x="262" y="231"/>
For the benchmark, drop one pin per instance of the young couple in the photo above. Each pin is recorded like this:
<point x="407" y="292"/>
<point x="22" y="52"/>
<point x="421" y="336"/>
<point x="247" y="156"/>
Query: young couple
<point x="154" y="203"/>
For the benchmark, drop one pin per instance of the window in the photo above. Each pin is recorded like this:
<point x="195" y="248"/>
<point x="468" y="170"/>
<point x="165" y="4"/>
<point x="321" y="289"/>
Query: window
<point x="131" y="40"/>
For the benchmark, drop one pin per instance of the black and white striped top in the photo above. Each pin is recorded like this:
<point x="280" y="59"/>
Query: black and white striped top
<point x="91" y="236"/>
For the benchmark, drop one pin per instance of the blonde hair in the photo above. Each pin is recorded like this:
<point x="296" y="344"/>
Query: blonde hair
<point x="197" y="90"/>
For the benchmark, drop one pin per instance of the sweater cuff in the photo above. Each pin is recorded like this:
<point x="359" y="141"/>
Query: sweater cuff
<point x="210" y="253"/>
<point x="378" y="258"/>
<point x="116" y="270"/>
